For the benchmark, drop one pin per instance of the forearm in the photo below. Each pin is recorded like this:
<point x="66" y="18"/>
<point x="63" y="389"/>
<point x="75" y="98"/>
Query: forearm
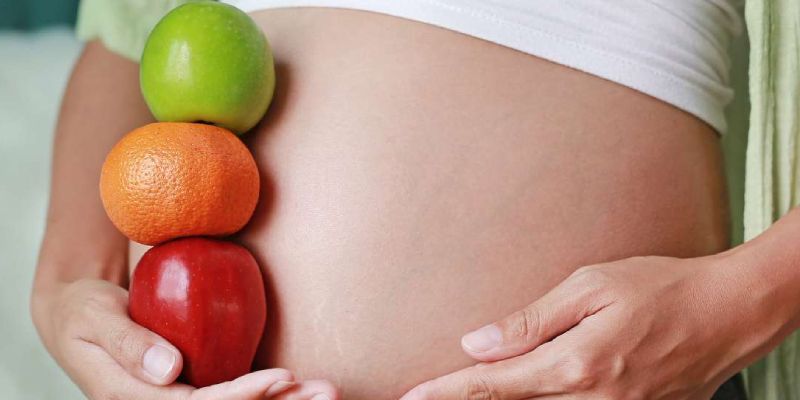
<point x="766" y="273"/>
<point x="102" y="103"/>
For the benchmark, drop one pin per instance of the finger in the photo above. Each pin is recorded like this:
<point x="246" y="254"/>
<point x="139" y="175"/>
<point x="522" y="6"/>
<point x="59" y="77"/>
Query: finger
<point x="257" y="385"/>
<point x="553" y="314"/>
<point x="529" y="376"/>
<point x="310" y="390"/>
<point x="142" y="353"/>
<point x="101" y="377"/>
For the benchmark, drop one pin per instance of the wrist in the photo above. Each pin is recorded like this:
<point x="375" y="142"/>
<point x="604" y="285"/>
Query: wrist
<point x="769" y="269"/>
<point x="758" y="286"/>
<point x="61" y="262"/>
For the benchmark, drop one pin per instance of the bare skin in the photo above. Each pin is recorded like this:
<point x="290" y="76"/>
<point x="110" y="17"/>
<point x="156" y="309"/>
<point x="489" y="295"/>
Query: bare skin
<point x="418" y="184"/>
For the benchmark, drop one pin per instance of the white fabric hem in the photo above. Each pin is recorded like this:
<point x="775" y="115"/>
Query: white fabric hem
<point x="541" y="43"/>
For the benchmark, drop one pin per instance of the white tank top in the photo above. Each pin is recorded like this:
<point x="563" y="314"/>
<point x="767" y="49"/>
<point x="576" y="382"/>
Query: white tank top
<point x="673" y="50"/>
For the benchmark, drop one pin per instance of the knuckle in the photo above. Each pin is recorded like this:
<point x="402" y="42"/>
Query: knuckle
<point x="578" y="374"/>
<point x="102" y="301"/>
<point x="479" y="387"/>
<point x="526" y="324"/>
<point x="592" y="279"/>
<point x="618" y="366"/>
<point x="77" y="313"/>
<point x="120" y="341"/>
<point x="582" y="279"/>
<point x="586" y="274"/>
<point x="586" y="269"/>
<point x="83" y="300"/>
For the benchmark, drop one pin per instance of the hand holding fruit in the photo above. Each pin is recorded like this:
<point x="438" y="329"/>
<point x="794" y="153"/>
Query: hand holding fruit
<point x="204" y="62"/>
<point x="177" y="179"/>
<point x="110" y="356"/>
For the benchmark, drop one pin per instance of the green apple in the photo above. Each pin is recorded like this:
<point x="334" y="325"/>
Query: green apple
<point x="210" y="62"/>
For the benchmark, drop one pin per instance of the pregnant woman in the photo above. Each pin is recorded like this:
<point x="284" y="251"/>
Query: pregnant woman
<point x="433" y="166"/>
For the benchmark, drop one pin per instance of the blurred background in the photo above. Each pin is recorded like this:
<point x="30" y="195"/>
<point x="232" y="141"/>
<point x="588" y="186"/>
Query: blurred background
<point x="37" y="51"/>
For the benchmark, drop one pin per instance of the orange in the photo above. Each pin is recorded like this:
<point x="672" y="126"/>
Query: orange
<point x="167" y="180"/>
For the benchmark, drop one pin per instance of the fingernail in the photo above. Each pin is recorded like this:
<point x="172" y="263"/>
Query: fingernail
<point x="158" y="361"/>
<point x="414" y="394"/>
<point x="278" y="387"/>
<point x="321" y="396"/>
<point x="483" y="339"/>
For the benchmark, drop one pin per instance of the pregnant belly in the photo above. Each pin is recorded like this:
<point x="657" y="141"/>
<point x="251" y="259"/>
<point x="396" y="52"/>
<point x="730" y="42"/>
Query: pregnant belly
<point x="419" y="183"/>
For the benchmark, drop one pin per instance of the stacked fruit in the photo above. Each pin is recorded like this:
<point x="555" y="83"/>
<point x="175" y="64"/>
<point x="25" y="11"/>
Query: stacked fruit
<point x="175" y="184"/>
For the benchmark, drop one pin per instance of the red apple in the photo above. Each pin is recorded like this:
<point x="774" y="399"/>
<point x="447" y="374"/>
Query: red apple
<point x="206" y="297"/>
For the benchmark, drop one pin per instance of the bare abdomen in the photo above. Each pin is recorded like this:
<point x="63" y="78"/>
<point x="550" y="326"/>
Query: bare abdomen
<point x="419" y="183"/>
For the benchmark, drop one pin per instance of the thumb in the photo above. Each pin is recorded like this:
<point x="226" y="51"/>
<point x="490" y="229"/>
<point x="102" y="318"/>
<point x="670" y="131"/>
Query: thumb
<point x="142" y="353"/>
<point x="553" y="314"/>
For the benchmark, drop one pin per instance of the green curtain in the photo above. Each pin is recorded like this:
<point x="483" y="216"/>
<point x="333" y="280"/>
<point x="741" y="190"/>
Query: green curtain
<point x="34" y="14"/>
<point x="772" y="185"/>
